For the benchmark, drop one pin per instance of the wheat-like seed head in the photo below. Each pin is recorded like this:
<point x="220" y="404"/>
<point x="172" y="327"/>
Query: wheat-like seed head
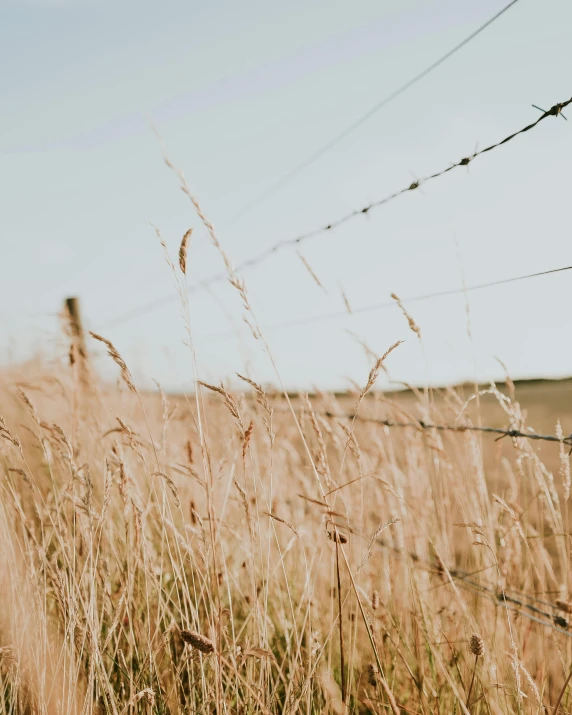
<point x="337" y="536"/>
<point x="247" y="435"/>
<point x="412" y="324"/>
<point x="148" y="695"/>
<point x="7" y="435"/>
<point x="183" y="251"/>
<point x="374" y="372"/>
<point x="198" y="641"/>
<point x="261" y="396"/>
<point x="372" y="674"/>
<point x="116" y="357"/>
<point x="375" y="600"/>
<point x="477" y="645"/>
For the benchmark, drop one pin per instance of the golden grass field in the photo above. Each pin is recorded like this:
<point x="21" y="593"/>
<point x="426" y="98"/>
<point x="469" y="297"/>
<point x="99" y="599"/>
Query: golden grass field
<point x="241" y="550"/>
<point x="198" y="554"/>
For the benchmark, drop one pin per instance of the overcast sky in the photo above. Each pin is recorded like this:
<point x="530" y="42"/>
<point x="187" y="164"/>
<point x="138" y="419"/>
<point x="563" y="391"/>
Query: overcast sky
<point x="243" y="92"/>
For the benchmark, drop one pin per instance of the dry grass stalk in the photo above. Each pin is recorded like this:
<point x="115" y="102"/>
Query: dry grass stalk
<point x="7" y="435"/>
<point x="119" y="361"/>
<point x="310" y="271"/>
<point x="246" y="506"/>
<point x="338" y="540"/>
<point x="352" y="441"/>
<point x="282" y="521"/>
<point x="171" y="484"/>
<point x="412" y="324"/>
<point x="261" y="396"/>
<point x="375" y="537"/>
<point x="564" y="462"/>
<point x="322" y="457"/>
<point x="229" y="401"/>
<point x="477" y="648"/>
<point x="183" y="251"/>
<point x="246" y="439"/>
<point x="346" y="301"/>
<point x="148" y="695"/>
<point x="374" y="372"/>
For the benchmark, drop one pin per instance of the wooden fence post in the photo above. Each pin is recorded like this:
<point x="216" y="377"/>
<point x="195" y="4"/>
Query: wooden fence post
<point x="78" y="350"/>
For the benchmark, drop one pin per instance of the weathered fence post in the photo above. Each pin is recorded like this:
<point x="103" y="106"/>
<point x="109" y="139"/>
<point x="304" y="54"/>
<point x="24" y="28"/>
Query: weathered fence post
<point x="78" y="350"/>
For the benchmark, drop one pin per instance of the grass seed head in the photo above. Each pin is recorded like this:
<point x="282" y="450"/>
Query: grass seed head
<point x="183" y="251"/>
<point x="477" y="645"/>
<point x="372" y="675"/>
<point x="198" y="641"/>
<point x="119" y="361"/>
<point x="337" y="536"/>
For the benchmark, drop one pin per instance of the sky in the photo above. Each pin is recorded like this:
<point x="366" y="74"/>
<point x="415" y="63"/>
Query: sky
<point x="240" y="94"/>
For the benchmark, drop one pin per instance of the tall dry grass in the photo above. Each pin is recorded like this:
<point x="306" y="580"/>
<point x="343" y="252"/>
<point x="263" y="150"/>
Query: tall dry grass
<point x="155" y="560"/>
<point x="241" y="552"/>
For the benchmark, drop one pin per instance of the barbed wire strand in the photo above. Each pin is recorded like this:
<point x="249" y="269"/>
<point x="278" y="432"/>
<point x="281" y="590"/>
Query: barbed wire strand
<point x="421" y="424"/>
<point x="499" y="596"/>
<point x="334" y="315"/>
<point x="427" y="426"/>
<point x="554" y="111"/>
<point x="368" y="115"/>
<point x="505" y="597"/>
<point x="271" y="190"/>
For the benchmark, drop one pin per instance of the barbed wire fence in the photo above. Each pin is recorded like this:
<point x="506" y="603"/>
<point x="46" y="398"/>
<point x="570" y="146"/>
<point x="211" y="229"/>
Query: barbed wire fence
<point x="428" y="426"/>
<point x="545" y="613"/>
<point x="513" y="600"/>
<point x="366" y="116"/>
<point x="510" y="599"/>
<point x="554" y="111"/>
<point x="278" y="246"/>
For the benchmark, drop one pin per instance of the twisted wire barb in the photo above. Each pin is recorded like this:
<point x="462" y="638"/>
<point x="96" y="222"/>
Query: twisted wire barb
<point x="422" y="425"/>
<point x="554" y="111"/>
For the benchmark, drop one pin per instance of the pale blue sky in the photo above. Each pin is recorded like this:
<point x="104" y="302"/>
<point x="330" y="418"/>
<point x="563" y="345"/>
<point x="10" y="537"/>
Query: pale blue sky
<point x="241" y="93"/>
